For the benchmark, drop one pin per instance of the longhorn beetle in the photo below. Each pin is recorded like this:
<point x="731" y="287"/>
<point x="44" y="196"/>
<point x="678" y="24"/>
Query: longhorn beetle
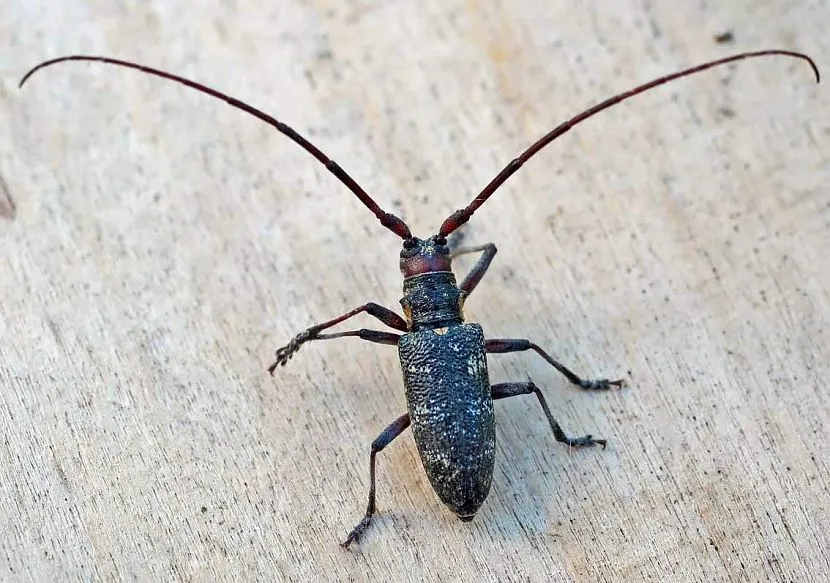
<point x="443" y="359"/>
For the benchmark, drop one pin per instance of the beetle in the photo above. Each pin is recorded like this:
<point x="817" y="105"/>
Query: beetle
<point x="443" y="358"/>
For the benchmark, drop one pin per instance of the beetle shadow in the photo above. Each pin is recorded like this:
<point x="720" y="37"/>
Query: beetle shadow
<point x="528" y="497"/>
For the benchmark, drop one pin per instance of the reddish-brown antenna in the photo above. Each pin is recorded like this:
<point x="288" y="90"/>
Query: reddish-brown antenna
<point x="461" y="216"/>
<point x="388" y="220"/>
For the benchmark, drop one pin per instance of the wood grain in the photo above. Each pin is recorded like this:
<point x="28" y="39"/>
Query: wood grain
<point x="164" y="245"/>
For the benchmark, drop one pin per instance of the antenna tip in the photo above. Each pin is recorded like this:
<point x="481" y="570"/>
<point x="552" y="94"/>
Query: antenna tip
<point x="25" y="78"/>
<point x="810" y="62"/>
<point x="34" y="70"/>
<point x="788" y="53"/>
<point x="815" y="70"/>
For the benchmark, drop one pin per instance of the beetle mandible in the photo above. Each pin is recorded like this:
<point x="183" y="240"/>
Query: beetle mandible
<point x="443" y="358"/>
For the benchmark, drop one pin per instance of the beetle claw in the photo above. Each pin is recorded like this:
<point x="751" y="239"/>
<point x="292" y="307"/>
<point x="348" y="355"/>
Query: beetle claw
<point x="357" y="531"/>
<point x="283" y="355"/>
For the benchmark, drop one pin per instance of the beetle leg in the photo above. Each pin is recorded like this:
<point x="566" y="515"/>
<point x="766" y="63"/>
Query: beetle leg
<point x="385" y="315"/>
<point x="385" y="438"/>
<point x="504" y="390"/>
<point x="502" y="345"/>
<point x="364" y="334"/>
<point x="283" y="354"/>
<point x="479" y="269"/>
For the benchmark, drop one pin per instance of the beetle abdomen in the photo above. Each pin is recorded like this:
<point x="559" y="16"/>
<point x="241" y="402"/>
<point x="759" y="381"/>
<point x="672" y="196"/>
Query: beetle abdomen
<point x="448" y="394"/>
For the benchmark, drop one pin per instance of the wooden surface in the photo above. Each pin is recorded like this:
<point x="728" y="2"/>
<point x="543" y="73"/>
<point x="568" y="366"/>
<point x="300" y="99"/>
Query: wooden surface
<point x="164" y="245"/>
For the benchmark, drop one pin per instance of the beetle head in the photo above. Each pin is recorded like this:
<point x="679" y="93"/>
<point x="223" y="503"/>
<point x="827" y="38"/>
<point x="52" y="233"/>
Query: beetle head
<point x="424" y="255"/>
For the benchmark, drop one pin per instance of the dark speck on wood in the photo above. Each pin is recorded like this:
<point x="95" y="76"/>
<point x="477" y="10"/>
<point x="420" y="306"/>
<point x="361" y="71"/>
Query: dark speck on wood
<point x="725" y="37"/>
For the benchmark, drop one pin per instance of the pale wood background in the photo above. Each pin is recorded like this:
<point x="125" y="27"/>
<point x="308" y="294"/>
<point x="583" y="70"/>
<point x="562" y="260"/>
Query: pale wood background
<point x="164" y="245"/>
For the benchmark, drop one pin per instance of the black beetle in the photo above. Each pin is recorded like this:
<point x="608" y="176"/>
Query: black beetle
<point x="443" y="359"/>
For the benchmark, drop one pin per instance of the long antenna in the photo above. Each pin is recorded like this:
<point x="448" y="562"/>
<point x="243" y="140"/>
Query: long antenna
<point x="461" y="216"/>
<point x="388" y="220"/>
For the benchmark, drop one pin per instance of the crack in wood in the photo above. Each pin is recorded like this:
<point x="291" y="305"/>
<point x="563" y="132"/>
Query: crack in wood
<point x="8" y="209"/>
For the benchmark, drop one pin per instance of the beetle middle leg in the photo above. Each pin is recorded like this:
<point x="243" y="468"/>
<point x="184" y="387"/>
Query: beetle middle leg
<point x="503" y="345"/>
<point x="385" y="315"/>
<point x="385" y="438"/>
<point x="504" y="390"/>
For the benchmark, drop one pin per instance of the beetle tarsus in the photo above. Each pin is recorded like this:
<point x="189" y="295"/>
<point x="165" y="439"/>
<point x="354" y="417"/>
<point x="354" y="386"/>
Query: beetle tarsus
<point x="284" y="354"/>
<point x="357" y="531"/>
<point x="586" y="441"/>
<point x="601" y="384"/>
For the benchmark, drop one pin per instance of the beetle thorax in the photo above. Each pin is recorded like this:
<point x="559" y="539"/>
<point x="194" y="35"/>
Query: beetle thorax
<point x="431" y="298"/>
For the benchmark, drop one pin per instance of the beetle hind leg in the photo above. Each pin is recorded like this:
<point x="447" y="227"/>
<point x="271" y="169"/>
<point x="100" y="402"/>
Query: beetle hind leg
<point x="504" y="390"/>
<point x="385" y="438"/>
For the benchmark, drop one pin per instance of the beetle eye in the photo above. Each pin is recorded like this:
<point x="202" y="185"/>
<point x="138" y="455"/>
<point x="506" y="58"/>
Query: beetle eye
<point x="410" y="243"/>
<point x="440" y="240"/>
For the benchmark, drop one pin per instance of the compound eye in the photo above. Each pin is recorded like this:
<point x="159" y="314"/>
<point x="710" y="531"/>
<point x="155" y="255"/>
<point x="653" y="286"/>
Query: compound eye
<point x="440" y="241"/>
<point x="410" y="243"/>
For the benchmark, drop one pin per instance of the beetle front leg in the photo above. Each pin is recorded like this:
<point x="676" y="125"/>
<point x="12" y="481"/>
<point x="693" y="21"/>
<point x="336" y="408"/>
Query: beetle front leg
<point x="385" y="315"/>
<point x="479" y="269"/>
<point x="504" y="390"/>
<point x="285" y="353"/>
<point x="503" y="345"/>
<point x="385" y="438"/>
